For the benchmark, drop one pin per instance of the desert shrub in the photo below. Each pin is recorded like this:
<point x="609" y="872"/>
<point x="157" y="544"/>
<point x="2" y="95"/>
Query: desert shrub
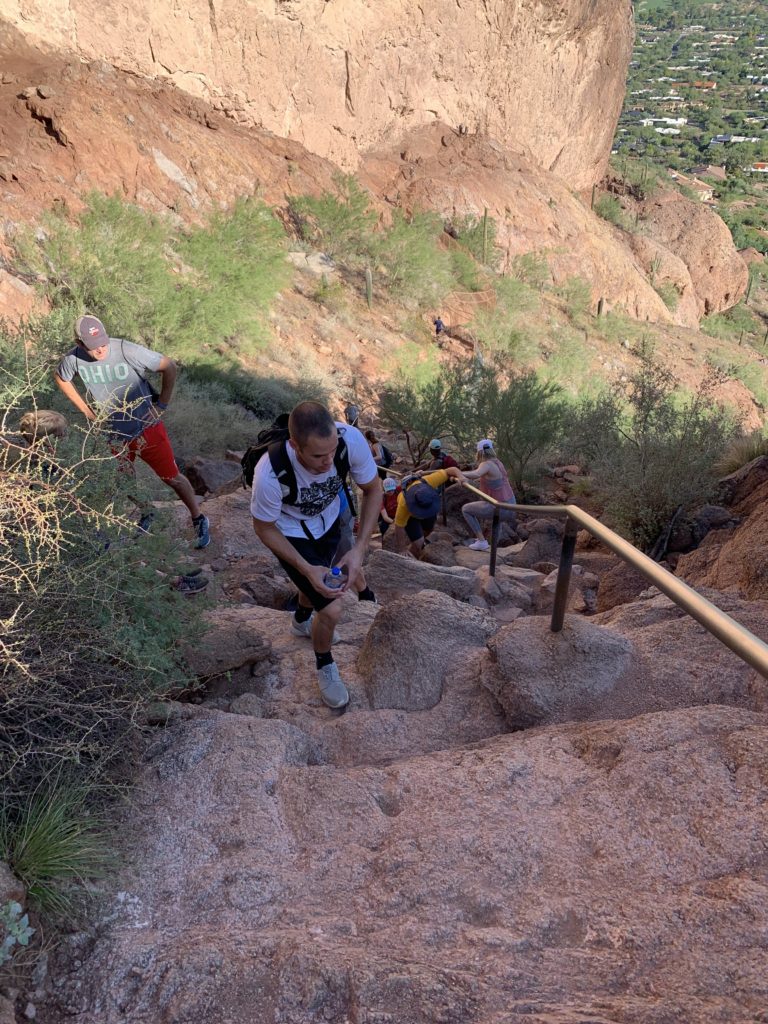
<point x="470" y="232"/>
<point x="202" y="419"/>
<point x="523" y="414"/>
<point x="52" y="842"/>
<point x="415" y="363"/>
<point x="505" y="328"/>
<point x="577" y="294"/>
<point x="465" y="271"/>
<point x="340" y="223"/>
<point x="742" y="449"/>
<point x="417" y="269"/>
<point x="659" y="453"/>
<point x="441" y="407"/>
<point x="532" y="269"/>
<point x="177" y="290"/>
<point x="668" y="294"/>
<point x="89" y="627"/>
<point x="730" y="325"/>
<point x="233" y="268"/>
<point x="609" y="208"/>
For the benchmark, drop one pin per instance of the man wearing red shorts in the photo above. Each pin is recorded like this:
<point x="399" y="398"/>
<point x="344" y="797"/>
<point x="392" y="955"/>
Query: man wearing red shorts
<point x="112" y="371"/>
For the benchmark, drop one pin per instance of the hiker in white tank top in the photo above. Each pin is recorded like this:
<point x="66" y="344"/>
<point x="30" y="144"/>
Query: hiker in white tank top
<point x="492" y="479"/>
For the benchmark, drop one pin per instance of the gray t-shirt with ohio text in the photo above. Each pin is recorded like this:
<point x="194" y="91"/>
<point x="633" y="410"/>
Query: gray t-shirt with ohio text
<point x="116" y="383"/>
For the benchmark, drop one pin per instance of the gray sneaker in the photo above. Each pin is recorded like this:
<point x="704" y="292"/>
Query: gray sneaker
<point x="305" y="628"/>
<point x="332" y="690"/>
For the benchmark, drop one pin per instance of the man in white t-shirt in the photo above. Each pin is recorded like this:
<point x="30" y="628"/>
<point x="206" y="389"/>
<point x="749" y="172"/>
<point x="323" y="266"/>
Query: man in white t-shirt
<point x="305" y="534"/>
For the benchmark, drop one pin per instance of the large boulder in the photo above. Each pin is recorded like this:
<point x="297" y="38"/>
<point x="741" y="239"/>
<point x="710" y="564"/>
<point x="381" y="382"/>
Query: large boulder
<point x="213" y="476"/>
<point x="701" y="239"/>
<point x="409" y="674"/>
<point x="737" y="486"/>
<point x="582" y="591"/>
<point x="542" y="677"/>
<point x="610" y="871"/>
<point x="545" y="540"/>
<point x="394" y="575"/>
<point x="620" y="584"/>
<point x="231" y="652"/>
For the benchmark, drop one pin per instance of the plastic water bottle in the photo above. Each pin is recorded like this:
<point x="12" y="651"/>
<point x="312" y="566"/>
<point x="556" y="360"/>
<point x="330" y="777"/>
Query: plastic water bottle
<point x="334" y="579"/>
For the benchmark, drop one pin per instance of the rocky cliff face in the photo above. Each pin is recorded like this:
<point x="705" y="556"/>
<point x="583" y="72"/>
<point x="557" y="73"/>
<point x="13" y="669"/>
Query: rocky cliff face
<point x="342" y="76"/>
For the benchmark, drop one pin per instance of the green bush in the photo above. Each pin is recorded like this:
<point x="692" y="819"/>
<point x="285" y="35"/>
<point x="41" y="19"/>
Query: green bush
<point x="90" y="629"/>
<point x="174" y="290"/>
<point x="729" y="326"/>
<point x="470" y="232"/>
<point x="417" y="269"/>
<point x="741" y="450"/>
<point x="532" y="268"/>
<point x="203" y="420"/>
<point x="668" y="294"/>
<point x="577" y="295"/>
<point x="340" y="223"/>
<point x="465" y="271"/>
<point x="609" y="208"/>
<point x="505" y="328"/>
<point x="655" y="454"/>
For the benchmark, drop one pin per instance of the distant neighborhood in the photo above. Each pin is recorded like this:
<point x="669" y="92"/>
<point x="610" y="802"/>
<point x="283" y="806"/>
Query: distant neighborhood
<point x="696" y="107"/>
<point x="698" y="92"/>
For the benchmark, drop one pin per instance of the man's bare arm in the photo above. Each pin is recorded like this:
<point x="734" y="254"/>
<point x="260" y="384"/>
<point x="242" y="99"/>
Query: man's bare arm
<point x="168" y="372"/>
<point x="69" y="389"/>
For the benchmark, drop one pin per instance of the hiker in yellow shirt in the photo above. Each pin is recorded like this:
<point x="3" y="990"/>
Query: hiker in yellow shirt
<point x="419" y="504"/>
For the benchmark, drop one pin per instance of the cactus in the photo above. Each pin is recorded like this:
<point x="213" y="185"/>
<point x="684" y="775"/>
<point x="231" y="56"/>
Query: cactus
<point x="368" y="287"/>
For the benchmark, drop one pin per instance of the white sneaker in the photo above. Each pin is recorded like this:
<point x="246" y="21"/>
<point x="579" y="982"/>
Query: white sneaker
<point x="480" y="545"/>
<point x="305" y="628"/>
<point x="332" y="690"/>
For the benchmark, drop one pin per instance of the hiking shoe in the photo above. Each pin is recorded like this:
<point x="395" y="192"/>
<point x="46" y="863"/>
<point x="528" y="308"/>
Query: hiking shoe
<point x="305" y="628"/>
<point x="202" y="528"/>
<point x="480" y="545"/>
<point x="190" y="584"/>
<point x="332" y="690"/>
<point x="302" y="628"/>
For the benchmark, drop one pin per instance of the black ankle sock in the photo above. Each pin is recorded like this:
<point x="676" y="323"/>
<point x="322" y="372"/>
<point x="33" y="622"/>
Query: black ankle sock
<point x="366" y="595"/>
<point x="321" y="660"/>
<point x="302" y="614"/>
<point x="198" y="519"/>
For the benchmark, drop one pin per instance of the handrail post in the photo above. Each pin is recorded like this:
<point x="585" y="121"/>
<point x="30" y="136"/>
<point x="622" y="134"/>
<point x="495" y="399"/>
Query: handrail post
<point x="494" y="540"/>
<point x="564" y="574"/>
<point x="443" y="506"/>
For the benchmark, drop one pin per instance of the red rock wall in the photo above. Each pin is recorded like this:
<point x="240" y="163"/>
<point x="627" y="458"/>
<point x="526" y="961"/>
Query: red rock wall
<point x="342" y="76"/>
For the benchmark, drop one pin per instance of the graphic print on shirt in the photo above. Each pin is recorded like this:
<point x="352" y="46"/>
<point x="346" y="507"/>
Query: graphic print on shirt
<point x="317" y="497"/>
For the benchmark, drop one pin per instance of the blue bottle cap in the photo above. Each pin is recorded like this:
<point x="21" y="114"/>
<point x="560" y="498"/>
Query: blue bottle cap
<point x="335" y="571"/>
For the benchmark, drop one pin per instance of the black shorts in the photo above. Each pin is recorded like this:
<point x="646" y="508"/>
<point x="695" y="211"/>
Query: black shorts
<point x="417" y="528"/>
<point x="316" y="552"/>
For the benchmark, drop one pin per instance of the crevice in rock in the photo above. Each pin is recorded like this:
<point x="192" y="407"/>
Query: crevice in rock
<point x="348" y="86"/>
<point x="49" y="125"/>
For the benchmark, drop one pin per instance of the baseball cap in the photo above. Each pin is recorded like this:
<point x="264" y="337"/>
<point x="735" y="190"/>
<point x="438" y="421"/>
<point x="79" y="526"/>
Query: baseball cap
<point x="91" y="332"/>
<point x="389" y="484"/>
<point x="435" y="443"/>
<point x="422" y="500"/>
<point x="484" y="444"/>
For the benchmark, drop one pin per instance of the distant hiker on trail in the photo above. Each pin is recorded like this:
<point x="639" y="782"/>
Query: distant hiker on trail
<point x="492" y="479"/>
<point x="382" y="456"/>
<point x="112" y="370"/>
<point x="439" y="326"/>
<point x="352" y="414"/>
<point x="388" y="505"/>
<point x="440" y="459"/>
<point x="419" y="503"/>
<point x="295" y="507"/>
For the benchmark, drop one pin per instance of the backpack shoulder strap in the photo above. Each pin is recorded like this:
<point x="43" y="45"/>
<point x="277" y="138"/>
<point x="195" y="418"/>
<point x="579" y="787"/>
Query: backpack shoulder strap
<point x="341" y="462"/>
<point x="284" y="471"/>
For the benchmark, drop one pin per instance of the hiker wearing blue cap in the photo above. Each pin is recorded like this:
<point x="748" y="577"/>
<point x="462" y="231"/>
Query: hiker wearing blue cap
<point x="419" y="504"/>
<point x="492" y="480"/>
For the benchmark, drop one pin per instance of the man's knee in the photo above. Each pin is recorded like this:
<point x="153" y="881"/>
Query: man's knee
<point x="331" y="613"/>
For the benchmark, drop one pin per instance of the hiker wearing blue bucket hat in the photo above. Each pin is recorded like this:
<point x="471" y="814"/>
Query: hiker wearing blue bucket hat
<point x="419" y="504"/>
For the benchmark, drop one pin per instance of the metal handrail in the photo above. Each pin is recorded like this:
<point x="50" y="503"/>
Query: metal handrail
<point x="728" y="631"/>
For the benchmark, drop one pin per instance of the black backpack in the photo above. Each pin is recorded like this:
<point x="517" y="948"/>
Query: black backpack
<point x="387" y="456"/>
<point x="277" y="432"/>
